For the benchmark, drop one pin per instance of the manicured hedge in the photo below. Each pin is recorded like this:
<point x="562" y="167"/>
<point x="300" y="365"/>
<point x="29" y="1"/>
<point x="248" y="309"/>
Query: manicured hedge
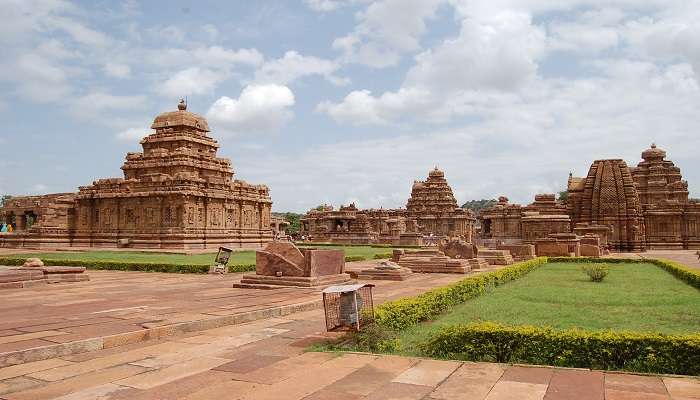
<point x="402" y="313"/>
<point x="680" y="271"/>
<point x="595" y="260"/>
<point x="378" y="246"/>
<point x="124" y="266"/>
<point x="354" y="258"/>
<point x="381" y="256"/>
<point x="630" y="351"/>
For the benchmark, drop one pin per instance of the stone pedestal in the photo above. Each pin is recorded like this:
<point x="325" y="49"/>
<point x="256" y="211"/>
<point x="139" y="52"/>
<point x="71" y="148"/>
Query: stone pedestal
<point x="283" y="264"/>
<point x="386" y="270"/>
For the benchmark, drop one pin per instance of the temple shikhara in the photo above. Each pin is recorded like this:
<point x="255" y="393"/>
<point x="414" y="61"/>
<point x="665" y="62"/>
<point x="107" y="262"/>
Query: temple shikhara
<point x="625" y="208"/>
<point x="175" y="194"/>
<point x="614" y="208"/>
<point x="431" y="212"/>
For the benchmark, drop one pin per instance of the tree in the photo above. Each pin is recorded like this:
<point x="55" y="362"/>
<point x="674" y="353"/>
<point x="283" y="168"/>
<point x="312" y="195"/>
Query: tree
<point x="294" y="222"/>
<point x="322" y="207"/>
<point x="478" y="205"/>
<point x="563" y="196"/>
<point x="4" y="198"/>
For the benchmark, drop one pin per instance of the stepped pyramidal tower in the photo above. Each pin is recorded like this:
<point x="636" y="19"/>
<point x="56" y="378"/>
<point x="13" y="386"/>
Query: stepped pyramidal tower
<point x="176" y="193"/>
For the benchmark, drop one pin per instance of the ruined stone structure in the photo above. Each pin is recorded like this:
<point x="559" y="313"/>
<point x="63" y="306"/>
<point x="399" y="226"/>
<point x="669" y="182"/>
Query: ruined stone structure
<point x="278" y="225"/>
<point x="283" y="264"/>
<point x="384" y="271"/>
<point x="432" y="260"/>
<point x="175" y="194"/>
<point x="431" y="209"/>
<point x="507" y="223"/>
<point x="671" y="220"/>
<point x="627" y="209"/>
<point x="607" y="196"/>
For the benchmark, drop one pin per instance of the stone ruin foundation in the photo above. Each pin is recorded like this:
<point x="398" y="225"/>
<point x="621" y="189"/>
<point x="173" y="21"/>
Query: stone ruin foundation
<point x="386" y="270"/>
<point x="283" y="264"/>
<point x="35" y="273"/>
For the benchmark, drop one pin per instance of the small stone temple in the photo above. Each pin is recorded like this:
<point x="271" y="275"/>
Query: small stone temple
<point x="176" y="193"/>
<point x="431" y="213"/>
<point x="620" y="208"/>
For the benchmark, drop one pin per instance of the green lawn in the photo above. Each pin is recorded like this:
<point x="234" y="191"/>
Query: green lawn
<point x="238" y="257"/>
<point x="640" y="297"/>
<point x="367" y="252"/>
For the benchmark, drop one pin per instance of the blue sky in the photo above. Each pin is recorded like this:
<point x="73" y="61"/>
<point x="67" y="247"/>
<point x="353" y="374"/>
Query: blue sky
<point x="352" y="100"/>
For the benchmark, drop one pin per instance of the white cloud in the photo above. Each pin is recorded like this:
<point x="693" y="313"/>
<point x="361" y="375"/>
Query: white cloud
<point x="79" y="32"/>
<point x="259" y="108"/>
<point x="132" y="134"/>
<point x="38" y="78"/>
<point x="520" y="143"/>
<point x="361" y="108"/>
<point x="211" y="32"/>
<point x="39" y="188"/>
<point x="592" y="32"/>
<point x="386" y="29"/>
<point x="106" y="108"/>
<point x="293" y="66"/>
<point x="494" y="54"/>
<point x="331" y="5"/>
<point x="222" y="57"/>
<point x="190" y="81"/>
<point x="101" y="101"/>
<point x="500" y="53"/>
<point x="116" y="70"/>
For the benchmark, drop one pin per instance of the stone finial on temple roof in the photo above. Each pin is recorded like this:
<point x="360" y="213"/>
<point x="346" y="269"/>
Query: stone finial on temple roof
<point x="182" y="106"/>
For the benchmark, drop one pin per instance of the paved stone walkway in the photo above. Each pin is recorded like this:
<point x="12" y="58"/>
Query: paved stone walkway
<point x="266" y="360"/>
<point x="122" y="305"/>
<point x="686" y="257"/>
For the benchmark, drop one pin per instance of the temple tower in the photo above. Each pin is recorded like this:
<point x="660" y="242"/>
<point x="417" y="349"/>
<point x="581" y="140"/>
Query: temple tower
<point x="608" y="196"/>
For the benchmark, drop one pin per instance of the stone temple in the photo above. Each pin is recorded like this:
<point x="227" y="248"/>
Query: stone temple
<point x="175" y="194"/>
<point x="431" y="209"/>
<point x="626" y="208"/>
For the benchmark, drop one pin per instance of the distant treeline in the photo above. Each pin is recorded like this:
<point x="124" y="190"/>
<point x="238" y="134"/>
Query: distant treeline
<point x="293" y="219"/>
<point x="478" y="205"/>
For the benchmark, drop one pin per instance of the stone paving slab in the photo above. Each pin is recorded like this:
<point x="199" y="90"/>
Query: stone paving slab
<point x="227" y="363"/>
<point x="117" y="308"/>
<point x="264" y="359"/>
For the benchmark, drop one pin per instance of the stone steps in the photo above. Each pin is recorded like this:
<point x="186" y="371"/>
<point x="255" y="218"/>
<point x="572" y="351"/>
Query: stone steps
<point x="496" y="257"/>
<point x="252" y="281"/>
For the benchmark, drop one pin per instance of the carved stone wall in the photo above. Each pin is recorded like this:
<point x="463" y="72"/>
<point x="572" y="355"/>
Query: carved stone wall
<point x="608" y="196"/>
<point x="431" y="209"/>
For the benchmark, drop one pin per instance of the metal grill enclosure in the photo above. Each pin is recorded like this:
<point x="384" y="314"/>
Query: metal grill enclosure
<point x="348" y="307"/>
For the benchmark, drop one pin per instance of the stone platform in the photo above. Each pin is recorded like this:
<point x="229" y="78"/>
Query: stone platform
<point x="496" y="257"/>
<point x="16" y="279"/>
<point x="385" y="270"/>
<point x="24" y="277"/>
<point x="433" y="261"/>
<point x="117" y="308"/>
<point x="254" y="281"/>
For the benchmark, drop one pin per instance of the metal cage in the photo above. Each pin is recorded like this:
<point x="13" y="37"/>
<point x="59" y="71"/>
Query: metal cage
<point x="348" y="307"/>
